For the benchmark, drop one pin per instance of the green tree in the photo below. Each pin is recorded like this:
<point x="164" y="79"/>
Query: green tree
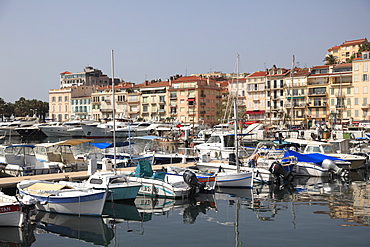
<point x="2" y="108"/>
<point x="364" y="47"/>
<point x="330" y="59"/>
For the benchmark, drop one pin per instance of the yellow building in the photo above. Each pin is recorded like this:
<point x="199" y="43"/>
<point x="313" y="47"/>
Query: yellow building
<point x="360" y="78"/>
<point x="344" y="51"/>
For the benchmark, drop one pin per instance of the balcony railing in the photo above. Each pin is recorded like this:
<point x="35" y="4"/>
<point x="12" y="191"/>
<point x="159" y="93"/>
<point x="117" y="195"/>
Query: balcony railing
<point x="316" y="93"/>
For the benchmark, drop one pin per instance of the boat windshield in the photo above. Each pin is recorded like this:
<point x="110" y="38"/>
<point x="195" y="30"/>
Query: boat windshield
<point x="328" y="149"/>
<point x="214" y="139"/>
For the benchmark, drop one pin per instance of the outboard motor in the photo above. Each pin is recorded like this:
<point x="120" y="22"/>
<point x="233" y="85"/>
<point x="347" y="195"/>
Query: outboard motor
<point x="191" y="179"/>
<point x="332" y="167"/>
<point x="278" y="171"/>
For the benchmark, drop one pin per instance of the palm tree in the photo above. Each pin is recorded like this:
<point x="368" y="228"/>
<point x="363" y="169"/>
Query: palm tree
<point x="330" y="59"/>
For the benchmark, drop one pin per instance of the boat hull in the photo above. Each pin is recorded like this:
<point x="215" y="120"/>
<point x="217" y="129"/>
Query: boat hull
<point x="233" y="179"/>
<point x="11" y="215"/>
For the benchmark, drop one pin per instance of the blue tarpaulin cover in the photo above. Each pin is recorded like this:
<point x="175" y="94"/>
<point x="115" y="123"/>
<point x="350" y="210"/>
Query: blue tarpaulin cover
<point x="103" y="145"/>
<point x="313" y="158"/>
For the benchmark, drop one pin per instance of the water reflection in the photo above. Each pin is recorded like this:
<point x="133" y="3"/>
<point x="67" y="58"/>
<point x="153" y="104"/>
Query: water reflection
<point x="14" y="236"/>
<point x="84" y="228"/>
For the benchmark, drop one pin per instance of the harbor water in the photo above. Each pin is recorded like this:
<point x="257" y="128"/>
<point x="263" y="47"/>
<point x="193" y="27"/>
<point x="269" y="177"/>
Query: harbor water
<point x="307" y="212"/>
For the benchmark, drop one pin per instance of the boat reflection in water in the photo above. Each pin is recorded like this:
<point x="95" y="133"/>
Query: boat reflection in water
<point x="196" y="205"/>
<point x="84" y="228"/>
<point x="17" y="236"/>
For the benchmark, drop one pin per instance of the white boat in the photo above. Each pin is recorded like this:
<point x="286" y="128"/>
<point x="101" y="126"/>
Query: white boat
<point x="59" y="198"/>
<point x="121" y="188"/>
<point x="21" y="160"/>
<point x="102" y="130"/>
<point x="136" y="129"/>
<point x="71" y="128"/>
<point x="11" y="213"/>
<point x="61" y="154"/>
<point x="9" y="128"/>
<point x="157" y="185"/>
<point x="310" y="147"/>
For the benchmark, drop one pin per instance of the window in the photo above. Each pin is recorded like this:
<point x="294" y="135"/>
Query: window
<point x="145" y="99"/>
<point x="332" y="91"/>
<point x="145" y="108"/>
<point x="348" y="90"/>
<point x="356" y="101"/>
<point x="348" y="101"/>
<point x="60" y="99"/>
<point x="348" y="113"/>
<point x="332" y="102"/>
<point x="365" y="89"/>
<point x="355" y="66"/>
<point x="365" y="67"/>
<point x="356" y="89"/>
<point x="65" y="98"/>
<point x="356" y="113"/>
<point x="364" y="101"/>
<point x="365" y="77"/>
<point x="53" y="99"/>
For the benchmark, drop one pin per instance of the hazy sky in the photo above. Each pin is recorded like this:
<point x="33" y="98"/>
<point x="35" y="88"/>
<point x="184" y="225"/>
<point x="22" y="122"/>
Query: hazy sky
<point x="155" y="39"/>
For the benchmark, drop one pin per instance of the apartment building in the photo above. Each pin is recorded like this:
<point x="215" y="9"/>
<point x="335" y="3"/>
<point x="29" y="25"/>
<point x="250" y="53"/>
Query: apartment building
<point x="255" y="96"/>
<point x="60" y="101"/>
<point x="88" y="77"/>
<point x="275" y="97"/>
<point x="344" y="51"/>
<point x="102" y="101"/>
<point x="296" y="96"/>
<point x="154" y="104"/>
<point x="195" y="100"/>
<point x="81" y="108"/>
<point x="360" y="78"/>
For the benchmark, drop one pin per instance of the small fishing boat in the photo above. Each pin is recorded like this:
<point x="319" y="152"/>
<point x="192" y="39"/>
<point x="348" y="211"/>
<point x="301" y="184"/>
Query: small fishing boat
<point x="119" y="185"/>
<point x="11" y="213"/>
<point x="59" y="198"/>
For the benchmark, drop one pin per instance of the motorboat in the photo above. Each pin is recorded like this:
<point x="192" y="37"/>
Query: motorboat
<point x="11" y="212"/>
<point x="156" y="184"/>
<point x="21" y="160"/>
<point x="69" y="129"/>
<point x="102" y="130"/>
<point x="9" y="128"/>
<point x="121" y="188"/>
<point x="32" y="131"/>
<point x="328" y="149"/>
<point x="60" y="198"/>
<point x="61" y="154"/>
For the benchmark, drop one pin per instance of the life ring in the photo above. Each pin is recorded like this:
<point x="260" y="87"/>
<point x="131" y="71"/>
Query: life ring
<point x="191" y="144"/>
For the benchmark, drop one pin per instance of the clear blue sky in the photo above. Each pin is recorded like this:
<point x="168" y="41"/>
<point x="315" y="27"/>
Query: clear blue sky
<point x="155" y="39"/>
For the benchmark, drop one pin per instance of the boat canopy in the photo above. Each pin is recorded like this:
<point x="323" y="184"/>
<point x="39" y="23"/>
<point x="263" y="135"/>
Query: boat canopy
<point x="103" y="145"/>
<point x="20" y="145"/>
<point x="312" y="158"/>
<point x="72" y="142"/>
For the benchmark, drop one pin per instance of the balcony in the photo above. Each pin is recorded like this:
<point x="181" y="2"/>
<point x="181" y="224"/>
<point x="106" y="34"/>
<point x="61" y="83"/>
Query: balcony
<point x="161" y="110"/>
<point x="340" y="95"/>
<point x="218" y="96"/>
<point x="295" y="105"/>
<point x="317" y="83"/>
<point x="202" y="103"/>
<point x="173" y="96"/>
<point x="203" y="95"/>
<point x="365" y="106"/>
<point x="317" y="104"/>
<point x="107" y="101"/>
<point x="202" y="112"/>
<point x="191" y="112"/>
<point x="318" y="93"/>
<point x="173" y="106"/>
<point x="343" y="82"/>
<point x="162" y="102"/>
<point x="106" y="110"/>
<point x="173" y="113"/>
<point x="256" y="99"/>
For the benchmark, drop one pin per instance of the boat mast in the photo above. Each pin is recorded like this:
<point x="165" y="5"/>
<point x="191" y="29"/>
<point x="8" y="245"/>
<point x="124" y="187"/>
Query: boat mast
<point x="236" y="117"/>
<point x="113" y="112"/>
<point x="291" y="96"/>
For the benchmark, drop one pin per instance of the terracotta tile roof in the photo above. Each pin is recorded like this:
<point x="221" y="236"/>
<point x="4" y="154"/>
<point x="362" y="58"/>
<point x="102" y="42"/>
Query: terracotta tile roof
<point x="320" y="66"/>
<point x="354" y="42"/>
<point x="65" y="72"/>
<point x="258" y="74"/>
<point x="334" y="48"/>
<point x="301" y="71"/>
<point x="190" y="78"/>
<point x="157" y="84"/>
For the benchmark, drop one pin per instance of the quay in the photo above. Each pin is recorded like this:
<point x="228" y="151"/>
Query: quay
<point x="7" y="182"/>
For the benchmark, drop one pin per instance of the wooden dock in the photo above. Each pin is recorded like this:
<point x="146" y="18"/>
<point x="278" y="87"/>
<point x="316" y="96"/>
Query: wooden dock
<point x="6" y="182"/>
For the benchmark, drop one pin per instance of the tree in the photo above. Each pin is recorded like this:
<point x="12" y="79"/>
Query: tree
<point x="364" y="47"/>
<point x="330" y="59"/>
<point x="2" y="108"/>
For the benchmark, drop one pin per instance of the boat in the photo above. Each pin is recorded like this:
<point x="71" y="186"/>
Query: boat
<point x="120" y="187"/>
<point x="9" y="128"/>
<point x="11" y="211"/>
<point x="61" y="154"/>
<point x="21" y="160"/>
<point x="83" y="228"/>
<point x="325" y="148"/>
<point x="102" y="130"/>
<point x="32" y="131"/>
<point x="59" y="198"/>
<point x="155" y="183"/>
<point x="68" y="129"/>
<point x="135" y="129"/>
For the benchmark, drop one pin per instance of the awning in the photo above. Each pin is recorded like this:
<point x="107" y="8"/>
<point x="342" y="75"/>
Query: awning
<point x="250" y="122"/>
<point x="255" y="112"/>
<point x="191" y="100"/>
<point x="295" y="97"/>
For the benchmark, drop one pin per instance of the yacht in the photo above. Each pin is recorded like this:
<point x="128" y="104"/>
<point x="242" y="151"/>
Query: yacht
<point x="9" y="128"/>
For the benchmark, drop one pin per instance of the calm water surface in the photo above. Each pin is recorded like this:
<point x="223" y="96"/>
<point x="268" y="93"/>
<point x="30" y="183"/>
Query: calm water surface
<point x="309" y="212"/>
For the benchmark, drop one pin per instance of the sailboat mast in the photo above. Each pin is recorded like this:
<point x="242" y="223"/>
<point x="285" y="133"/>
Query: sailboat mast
<point x="236" y="117"/>
<point x="113" y="112"/>
<point x="291" y="96"/>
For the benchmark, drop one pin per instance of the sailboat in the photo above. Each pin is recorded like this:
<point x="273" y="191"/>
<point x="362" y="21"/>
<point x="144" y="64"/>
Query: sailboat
<point x="232" y="177"/>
